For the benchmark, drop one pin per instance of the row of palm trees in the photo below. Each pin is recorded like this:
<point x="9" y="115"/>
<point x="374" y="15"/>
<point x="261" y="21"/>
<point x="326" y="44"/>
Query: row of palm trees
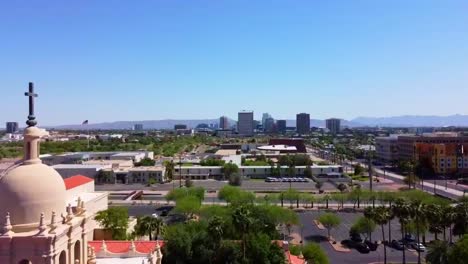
<point x="419" y="216"/>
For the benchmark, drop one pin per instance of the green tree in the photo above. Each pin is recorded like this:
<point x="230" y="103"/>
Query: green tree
<point x="381" y="217"/>
<point x="114" y="219"/>
<point x="438" y="253"/>
<point x="435" y="218"/>
<point x="460" y="219"/>
<point x="313" y="253"/>
<point x="148" y="225"/>
<point x="319" y="186"/>
<point x="145" y="162"/>
<point x="169" y="170"/>
<point x="418" y="215"/>
<point x="329" y="221"/>
<point x="104" y="176"/>
<point x="401" y="209"/>
<point x="363" y="226"/>
<point x="260" y="249"/>
<point x="459" y="251"/>
<point x="235" y="180"/>
<point x="358" y="169"/>
<point x="188" y="183"/>
<point x="308" y="172"/>
<point x="229" y="169"/>
<point x="242" y="221"/>
<point x="187" y="206"/>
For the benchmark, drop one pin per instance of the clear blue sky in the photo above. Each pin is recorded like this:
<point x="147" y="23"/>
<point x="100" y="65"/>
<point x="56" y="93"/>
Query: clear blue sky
<point x="140" y="60"/>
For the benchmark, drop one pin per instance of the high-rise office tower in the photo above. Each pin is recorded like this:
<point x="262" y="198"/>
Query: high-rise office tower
<point x="281" y="126"/>
<point x="223" y="123"/>
<point x="12" y="127"/>
<point x="269" y="125"/>
<point x="265" y="116"/>
<point x="138" y="127"/>
<point x="334" y="125"/>
<point x="303" y="123"/>
<point x="245" y="124"/>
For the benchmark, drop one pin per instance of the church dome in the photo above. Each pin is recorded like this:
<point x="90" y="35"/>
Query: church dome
<point x="29" y="190"/>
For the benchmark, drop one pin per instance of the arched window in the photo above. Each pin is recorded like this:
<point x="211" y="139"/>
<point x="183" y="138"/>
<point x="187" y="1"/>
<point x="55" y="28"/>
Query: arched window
<point x="24" y="261"/>
<point x="77" y="251"/>
<point x="63" y="258"/>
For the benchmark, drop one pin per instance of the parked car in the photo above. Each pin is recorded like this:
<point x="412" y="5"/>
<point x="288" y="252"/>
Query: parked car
<point x="397" y="244"/>
<point x="355" y="237"/>
<point x="372" y="245"/>
<point x="418" y="247"/>
<point x="164" y="212"/>
<point x="359" y="246"/>
<point x="410" y="238"/>
<point x="362" y="248"/>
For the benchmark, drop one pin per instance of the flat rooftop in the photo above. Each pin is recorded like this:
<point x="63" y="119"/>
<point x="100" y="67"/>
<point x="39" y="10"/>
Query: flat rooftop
<point x="78" y="166"/>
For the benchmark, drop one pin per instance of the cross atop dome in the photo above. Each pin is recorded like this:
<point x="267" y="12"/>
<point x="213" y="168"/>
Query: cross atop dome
<point x="31" y="118"/>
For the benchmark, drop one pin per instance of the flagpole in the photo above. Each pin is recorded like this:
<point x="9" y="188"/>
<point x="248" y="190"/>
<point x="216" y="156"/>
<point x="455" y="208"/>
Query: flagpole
<point x="87" y="128"/>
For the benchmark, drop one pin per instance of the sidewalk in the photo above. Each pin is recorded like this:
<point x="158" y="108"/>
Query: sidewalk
<point x="426" y="184"/>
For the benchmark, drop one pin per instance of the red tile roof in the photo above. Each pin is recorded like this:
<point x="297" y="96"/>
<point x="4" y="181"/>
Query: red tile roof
<point x="124" y="246"/>
<point x="294" y="259"/>
<point x="76" y="181"/>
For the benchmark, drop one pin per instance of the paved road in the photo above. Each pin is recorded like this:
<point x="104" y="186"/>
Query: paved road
<point x="252" y="185"/>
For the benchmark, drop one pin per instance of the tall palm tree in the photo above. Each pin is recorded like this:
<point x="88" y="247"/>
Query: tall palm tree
<point x="433" y="214"/>
<point x="381" y="217"/>
<point x="401" y="210"/>
<point x="369" y="213"/>
<point x="242" y="221"/>
<point x="448" y="218"/>
<point x="159" y="226"/>
<point x="460" y="219"/>
<point x="216" y="231"/>
<point x="417" y="211"/>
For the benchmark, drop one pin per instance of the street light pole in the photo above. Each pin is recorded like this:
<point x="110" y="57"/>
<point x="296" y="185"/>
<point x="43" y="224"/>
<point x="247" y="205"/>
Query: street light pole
<point x="180" y="170"/>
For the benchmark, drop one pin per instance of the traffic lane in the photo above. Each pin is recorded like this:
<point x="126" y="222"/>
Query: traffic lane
<point x="217" y="185"/>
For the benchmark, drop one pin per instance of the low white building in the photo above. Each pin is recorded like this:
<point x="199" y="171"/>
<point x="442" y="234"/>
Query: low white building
<point x="207" y="172"/>
<point x="88" y="170"/>
<point x="145" y="174"/>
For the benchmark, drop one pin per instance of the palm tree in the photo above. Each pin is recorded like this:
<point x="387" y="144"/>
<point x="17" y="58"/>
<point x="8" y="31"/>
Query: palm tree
<point x="170" y="170"/>
<point x="401" y="210"/>
<point x="158" y="227"/>
<point x="216" y="231"/>
<point x="148" y="225"/>
<point x="319" y="185"/>
<point x="448" y="218"/>
<point x="438" y="253"/>
<point x="433" y="213"/>
<point x="242" y="221"/>
<point x="460" y="219"/>
<point x="417" y="213"/>
<point x="381" y="217"/>
<point x="369" y="213"/>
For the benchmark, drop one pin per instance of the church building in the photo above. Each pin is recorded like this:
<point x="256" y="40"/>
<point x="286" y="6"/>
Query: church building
<point x="45" y="219"/>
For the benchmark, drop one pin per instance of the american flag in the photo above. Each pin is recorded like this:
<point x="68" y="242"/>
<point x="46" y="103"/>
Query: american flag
<point x="85" y="122"/>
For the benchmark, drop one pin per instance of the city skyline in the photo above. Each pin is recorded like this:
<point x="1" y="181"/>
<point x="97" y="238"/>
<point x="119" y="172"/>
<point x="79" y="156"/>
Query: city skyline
<point x="178" y="60"/>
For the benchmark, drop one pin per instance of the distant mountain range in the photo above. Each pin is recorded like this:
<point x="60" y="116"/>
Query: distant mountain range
<point x="414" y="121"/>
<point x="396" y="121"/>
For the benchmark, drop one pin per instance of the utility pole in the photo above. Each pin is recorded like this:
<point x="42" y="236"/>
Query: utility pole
<point x="370" y="170"/>
<point x="180" y="170"/>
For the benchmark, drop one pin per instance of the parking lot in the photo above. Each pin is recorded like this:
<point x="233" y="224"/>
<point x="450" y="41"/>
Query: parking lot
<point x="311" y="233"/>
